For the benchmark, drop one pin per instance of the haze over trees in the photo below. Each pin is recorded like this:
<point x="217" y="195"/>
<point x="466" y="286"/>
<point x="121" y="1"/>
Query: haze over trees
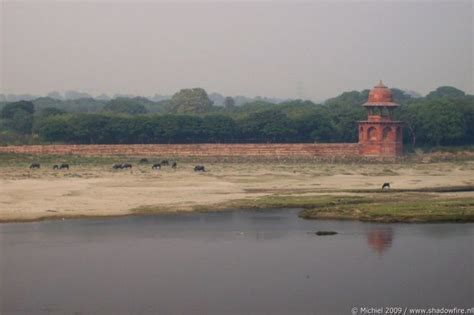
<point x="444" y="117"/>
<point x="229" y="102"/>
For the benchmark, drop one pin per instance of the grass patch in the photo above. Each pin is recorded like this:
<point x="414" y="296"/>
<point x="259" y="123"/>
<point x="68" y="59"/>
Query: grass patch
<point x="400" y="209"/>
<point x="441" y="189"/>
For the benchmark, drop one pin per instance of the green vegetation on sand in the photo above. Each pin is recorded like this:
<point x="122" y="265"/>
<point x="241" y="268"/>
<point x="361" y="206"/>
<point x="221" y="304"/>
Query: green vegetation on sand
<point x="398" y="207"/>
<point x="403" y="208"/>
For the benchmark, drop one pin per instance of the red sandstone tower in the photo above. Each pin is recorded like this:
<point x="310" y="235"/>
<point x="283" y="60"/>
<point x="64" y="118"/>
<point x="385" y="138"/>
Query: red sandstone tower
<point x="380" y="135"/>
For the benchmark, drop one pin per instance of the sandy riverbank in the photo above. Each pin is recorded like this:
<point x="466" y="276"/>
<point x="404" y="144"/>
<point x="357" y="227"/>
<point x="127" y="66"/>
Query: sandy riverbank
<point x="96" y="190"/>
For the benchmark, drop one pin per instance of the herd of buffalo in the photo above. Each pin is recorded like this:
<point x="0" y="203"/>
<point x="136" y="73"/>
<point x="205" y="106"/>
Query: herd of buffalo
<point x="121" y="166"/>
<point x="155" y="166"/>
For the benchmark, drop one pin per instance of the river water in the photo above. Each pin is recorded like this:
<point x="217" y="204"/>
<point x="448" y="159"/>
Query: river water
<point x="236" y="262"/>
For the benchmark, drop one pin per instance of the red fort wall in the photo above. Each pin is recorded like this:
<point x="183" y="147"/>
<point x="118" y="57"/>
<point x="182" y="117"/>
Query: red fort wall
<point x="184" y="150"/>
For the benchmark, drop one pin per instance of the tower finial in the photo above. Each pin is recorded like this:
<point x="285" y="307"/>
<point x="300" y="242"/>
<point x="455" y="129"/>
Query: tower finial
<point x="380" y="85"/>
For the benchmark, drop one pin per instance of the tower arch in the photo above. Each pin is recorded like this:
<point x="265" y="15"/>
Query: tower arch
<point x="387" y="133"/>
<point x="372" y="133"/>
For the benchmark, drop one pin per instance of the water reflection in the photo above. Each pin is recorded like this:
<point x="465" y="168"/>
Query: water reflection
<point x="380" y="239"/>
<point x="243" y="262"/>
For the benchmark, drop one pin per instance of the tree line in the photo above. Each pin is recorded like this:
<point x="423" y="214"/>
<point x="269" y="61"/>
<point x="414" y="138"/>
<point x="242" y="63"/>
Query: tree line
<point x="443" y="117"/>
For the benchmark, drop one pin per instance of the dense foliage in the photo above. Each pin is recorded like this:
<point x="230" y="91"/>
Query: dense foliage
<point x="18" y="116"/>
<point x="190" y="101"/>
<point x="444" y="117"/>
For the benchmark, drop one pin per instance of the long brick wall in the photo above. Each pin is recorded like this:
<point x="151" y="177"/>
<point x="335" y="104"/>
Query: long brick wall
<point x="185" y="150"/>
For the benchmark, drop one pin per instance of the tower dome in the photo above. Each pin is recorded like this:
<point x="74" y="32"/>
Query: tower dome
<point x="380" y="95"/>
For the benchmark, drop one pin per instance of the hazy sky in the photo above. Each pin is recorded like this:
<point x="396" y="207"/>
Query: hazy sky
<point x="311" y="49"/>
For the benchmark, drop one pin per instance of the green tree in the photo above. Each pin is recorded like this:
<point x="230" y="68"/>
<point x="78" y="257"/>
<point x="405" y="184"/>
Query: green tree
<point x="344" y="111"/>
<point x="51" y="111"/>
<point x="466" y="106"/>
<point x="125" y="106"/>
<point x="115" y="129"/>
<point x="399" y="96"/>
<point x="445" y="91"/>
<point x="9" y="110"/>
<point x="145" y="129"/>
<point x="353" y="98"/>
<point x="410" y="115"/>
<point x="219" y="128"/>
<point x="344" y="119"/>
<point x="441" y="122"/>
<point x="56" y="128"/>
<point x="180" y="129"/>
<point x="18" y="116"/>
<point x="269" y="126"/>
<point x="314" y="126"/>
<point x="89" y="128"/>
<point x="21" y="122"/>
<point x="190" y="101"/>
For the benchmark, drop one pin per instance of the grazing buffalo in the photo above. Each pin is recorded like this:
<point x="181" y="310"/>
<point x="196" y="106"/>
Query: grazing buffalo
<point x="143" y="161"/>
<point x="126" y="165"/>
<point x="174" y="164"/>
<point x="35" y="165"/>
<point x="117" y="166"/>
<point x="55" y="166"/>
<point x="385" y="185"/>
<point x="165" y="162"/>
<point x="64" y="166"/>
<point x="199" y="168"/>
<point x="156" y="166"/>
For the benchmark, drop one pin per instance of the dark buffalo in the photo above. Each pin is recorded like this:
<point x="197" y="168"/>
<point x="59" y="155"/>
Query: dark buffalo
<point x="385" y="185"/>
<point x="156" y="166"/>
<point x="35" y="165"/>
<point x="144" y="161"/>
<point x="165" y="162"/>
<point x="55" y="166"/>
<point x="64" y="166"/>
<point x="199" y="168"/>
<point x="117" y="166"/>
<point x="126" y="165"/>
<point x="174" y="165"/>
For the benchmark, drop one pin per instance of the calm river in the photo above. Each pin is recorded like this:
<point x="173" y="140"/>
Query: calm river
<point x="239" y="262"/>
